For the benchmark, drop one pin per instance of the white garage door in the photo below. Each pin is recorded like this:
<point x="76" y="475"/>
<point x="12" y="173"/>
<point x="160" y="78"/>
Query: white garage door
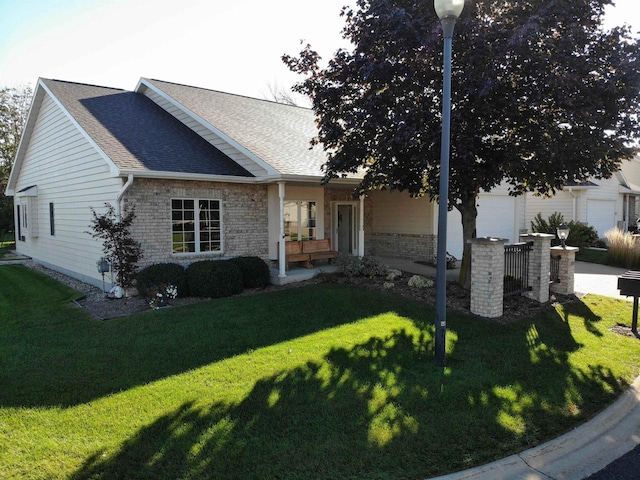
<point x="601" y="215"/>
<point x="496" y="218"/>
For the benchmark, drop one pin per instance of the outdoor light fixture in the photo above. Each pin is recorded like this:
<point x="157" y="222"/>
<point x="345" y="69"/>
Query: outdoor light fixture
<point x="448" y="11"/>
<point x="563" y="233"/>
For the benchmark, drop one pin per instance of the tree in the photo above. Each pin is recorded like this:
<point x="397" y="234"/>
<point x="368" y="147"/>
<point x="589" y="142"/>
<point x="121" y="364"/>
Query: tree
<point x="14" y="107"/>
<point x="120" y="249"/>
<point x="542" y="95"/>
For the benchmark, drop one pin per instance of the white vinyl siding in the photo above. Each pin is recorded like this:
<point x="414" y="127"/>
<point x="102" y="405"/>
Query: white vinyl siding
<point x="69" y="172"/>
<point x="207" y="134"/>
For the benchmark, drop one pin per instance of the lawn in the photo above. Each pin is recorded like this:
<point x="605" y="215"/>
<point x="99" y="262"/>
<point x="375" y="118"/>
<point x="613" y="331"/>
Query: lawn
<point x="323" y="381"/>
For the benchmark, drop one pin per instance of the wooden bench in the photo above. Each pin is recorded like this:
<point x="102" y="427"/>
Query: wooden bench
<point x="306" y="251"/>
<point x="319" y="249"/>
<point x="293" y="253"/>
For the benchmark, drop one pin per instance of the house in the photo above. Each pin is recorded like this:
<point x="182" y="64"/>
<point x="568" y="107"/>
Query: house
<point x="210" y="175"/>
<point x="601" y="203"/>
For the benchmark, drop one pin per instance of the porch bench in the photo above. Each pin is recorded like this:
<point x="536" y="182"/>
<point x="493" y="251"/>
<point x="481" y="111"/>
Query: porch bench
<point x="319" y="249"/>
<point x="293" y="253"/>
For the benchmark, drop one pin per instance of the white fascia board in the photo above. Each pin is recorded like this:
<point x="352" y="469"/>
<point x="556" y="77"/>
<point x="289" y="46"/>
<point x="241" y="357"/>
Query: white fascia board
<point x="164" y="175"/>
<point x="112" y="166"/>
<point x="34" y="109"/>
<point x="143" y="83"/>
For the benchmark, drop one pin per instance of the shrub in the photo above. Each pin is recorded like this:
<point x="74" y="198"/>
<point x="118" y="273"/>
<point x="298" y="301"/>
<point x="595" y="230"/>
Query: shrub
<point x="255" y="271"/>
<point x="163" y="274"/>
<point x="371" y="266"/>
<point x="540" y="225"/>
<point x="348" y="265"/>
<point x="581" y="235"/>
<point x="622" y="249"/>
<point x="214" y="278"/>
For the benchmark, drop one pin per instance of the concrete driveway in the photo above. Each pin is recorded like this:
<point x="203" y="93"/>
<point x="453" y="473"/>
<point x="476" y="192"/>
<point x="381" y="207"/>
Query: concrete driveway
<point x="598" y="279"/>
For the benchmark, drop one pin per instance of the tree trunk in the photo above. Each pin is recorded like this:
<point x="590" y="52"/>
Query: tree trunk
<point x="469" y="214"/>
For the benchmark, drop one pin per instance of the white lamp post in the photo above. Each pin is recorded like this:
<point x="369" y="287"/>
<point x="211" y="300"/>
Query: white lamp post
<point x="448" y="11"/>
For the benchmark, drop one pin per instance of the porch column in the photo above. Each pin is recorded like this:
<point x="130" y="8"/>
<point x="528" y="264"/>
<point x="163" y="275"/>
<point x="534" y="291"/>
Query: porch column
<point x="361" y="230"/>
<point x="567" y="270"/>
<point x="539" y="265"/>
<point x="282" y="264"/>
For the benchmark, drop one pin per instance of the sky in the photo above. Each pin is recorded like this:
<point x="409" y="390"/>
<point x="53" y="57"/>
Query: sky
<point x="229" y="45"/>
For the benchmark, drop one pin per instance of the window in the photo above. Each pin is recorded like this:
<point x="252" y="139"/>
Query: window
<point x="52" y="223"/>
<point x="300" y="220"/>
<point x="196" y="226"/>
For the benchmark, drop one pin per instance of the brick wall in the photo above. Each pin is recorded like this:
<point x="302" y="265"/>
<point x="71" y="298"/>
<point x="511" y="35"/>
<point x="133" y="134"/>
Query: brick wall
<point x="244" y="218"/>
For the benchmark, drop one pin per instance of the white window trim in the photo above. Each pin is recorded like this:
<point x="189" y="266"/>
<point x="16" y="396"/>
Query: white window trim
<point x="197" y="227"/>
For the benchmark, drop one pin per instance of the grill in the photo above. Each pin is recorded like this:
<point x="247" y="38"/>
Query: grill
<point x="629" y="285"/>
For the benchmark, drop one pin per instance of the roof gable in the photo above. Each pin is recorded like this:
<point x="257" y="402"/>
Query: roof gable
<point x="277" y="134"/>
<point x="136" y="134"/>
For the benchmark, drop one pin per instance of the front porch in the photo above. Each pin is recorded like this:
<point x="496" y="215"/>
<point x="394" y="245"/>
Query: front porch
<point x="299" y="274"/>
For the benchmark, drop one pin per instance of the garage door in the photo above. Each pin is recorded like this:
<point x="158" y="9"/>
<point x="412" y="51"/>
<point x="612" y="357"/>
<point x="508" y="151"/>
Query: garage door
<point x="601" y="215"/>
<point x="496" y="218"/>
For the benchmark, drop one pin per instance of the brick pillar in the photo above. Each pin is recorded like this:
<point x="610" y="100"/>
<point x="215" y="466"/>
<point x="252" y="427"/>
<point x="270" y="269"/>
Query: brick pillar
<point x="566" y="271"/>
<point x="487" y="274"/>
<point x="539" y="265"/>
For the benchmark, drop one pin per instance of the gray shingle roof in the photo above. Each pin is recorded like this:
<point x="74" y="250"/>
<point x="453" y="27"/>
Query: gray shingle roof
<point x="278" y="134"/>
<point x="136" y="134"/>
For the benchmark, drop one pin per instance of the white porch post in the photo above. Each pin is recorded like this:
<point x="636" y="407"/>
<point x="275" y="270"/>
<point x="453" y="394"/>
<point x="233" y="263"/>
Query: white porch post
<point x="361" y="229"/>
<point x="281" y="250"/>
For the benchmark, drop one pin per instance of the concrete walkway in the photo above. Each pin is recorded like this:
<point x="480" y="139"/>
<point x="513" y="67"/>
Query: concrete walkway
<point x="598" y="279"/>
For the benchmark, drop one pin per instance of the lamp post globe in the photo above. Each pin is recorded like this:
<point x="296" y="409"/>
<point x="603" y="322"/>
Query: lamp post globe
<point x="448" y="11"/>
<point x="448" y="8"/>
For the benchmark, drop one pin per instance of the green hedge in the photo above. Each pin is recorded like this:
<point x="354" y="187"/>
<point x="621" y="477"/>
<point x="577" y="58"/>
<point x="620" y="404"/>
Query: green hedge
<point x="163" y="274"/>
<point x="214" y="278"/>
<point x="255" y="271"/>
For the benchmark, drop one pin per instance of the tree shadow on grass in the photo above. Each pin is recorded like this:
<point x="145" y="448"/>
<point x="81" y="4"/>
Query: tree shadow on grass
<point x="53" y="355"/>
<point x="378" y="410"/>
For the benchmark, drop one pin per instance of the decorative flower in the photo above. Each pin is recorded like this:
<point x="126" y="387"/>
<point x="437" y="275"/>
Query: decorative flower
<point x="159" y="296"/>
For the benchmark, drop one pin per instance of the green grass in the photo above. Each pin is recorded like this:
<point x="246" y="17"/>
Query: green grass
<point x="592" y="256"/>
<point x="324" y="381"/>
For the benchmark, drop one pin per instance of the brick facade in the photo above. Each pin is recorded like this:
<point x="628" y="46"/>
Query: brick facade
<point x="567" y="269"/>
<point x="244" y="218"/>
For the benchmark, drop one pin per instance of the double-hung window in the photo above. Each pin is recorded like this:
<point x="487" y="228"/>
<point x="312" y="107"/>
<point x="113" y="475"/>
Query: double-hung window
<point x="196" y="226"/>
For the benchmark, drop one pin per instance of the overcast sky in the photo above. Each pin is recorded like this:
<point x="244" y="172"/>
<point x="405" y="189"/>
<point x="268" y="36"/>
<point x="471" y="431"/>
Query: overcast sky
<point x="233" y="46"/>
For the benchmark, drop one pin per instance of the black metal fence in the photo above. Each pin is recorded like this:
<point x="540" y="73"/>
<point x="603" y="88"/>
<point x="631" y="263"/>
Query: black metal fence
<point x="516" y="268"/>
<point x="554" y="274"/>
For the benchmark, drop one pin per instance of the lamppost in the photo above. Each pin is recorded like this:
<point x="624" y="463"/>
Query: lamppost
<point x="563" y="233"/>
<point x="448" y="11"/>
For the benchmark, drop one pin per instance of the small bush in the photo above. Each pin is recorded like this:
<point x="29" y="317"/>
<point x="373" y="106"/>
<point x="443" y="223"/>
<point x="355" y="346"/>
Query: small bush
<point x="163" y="274"/>
<point x="214" y="278"/>
<point x="540" y="225"/>
<point x="371" y="266"/>
<point x="255" y="271"/>
<point x="581" y="235"/>
<point x="348" y="265"/>
<point x="622" y="249"/>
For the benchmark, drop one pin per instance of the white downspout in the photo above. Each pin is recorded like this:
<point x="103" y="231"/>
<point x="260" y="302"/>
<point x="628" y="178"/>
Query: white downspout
<point x="573" y="206"/>
<point x="281" y="247"/>
<point x="121" y="193"/>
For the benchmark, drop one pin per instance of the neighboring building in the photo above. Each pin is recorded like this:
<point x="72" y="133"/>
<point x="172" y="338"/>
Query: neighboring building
<point x="211" y="175"/>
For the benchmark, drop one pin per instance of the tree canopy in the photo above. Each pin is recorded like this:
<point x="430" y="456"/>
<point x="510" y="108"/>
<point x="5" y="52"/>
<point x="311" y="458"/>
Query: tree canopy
<point x="14" y="106"/>
<point x="542" y="96"/>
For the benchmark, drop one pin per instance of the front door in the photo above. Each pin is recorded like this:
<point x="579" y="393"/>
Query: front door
<point x="346" y="228"/>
